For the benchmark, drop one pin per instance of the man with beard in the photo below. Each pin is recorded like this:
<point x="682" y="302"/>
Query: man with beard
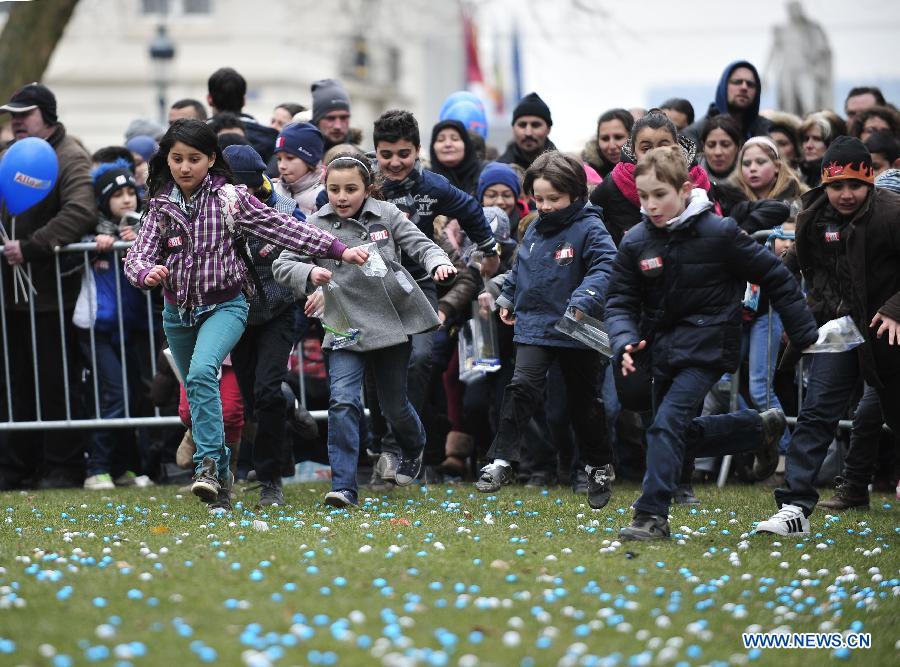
<point x="531" y="125"/>
<point x="737" y="95"/>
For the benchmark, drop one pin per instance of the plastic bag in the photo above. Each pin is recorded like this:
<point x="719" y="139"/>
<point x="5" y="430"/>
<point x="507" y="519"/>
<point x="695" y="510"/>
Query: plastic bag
<point x="478" y="346"/>
<point x="840" y="335"/>
<point x="335" y="320"/>
<point x="374" y="266"/>
<point x="585" y="329"/>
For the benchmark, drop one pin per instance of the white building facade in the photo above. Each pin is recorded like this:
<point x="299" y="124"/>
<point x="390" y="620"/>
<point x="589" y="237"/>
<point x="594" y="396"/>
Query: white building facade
<point x="388" y="54"/>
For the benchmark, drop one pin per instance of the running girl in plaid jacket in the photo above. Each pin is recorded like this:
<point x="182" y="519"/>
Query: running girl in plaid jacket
<point x="190" y="244"/>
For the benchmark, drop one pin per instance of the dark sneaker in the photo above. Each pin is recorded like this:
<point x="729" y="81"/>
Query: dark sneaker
<point x="222" y="503"/>
<point x="387" y="465"/>
<point x="773" y="425"/>
<point x="579" y="482"/>
<point x="789" y="521"/>
<point x="271" y="494"/>
<point x="493" y="476"/>
<point x="378" y="483"/>
<point x="340" y="499"/>
<point x="599" y="486"/>
<point x="684" y="495"/>
<point x="206" y="484"/>
<point x="645" y="527"/>
<point x="847" y="496"/>
<point x="540" y="479"/>
<point x="408" y="469"/>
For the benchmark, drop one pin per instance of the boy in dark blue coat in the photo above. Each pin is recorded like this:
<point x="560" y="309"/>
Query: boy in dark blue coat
<point x="422" y="195"/>
<point x="675" y="295"/>
<point x="564" y="261"/>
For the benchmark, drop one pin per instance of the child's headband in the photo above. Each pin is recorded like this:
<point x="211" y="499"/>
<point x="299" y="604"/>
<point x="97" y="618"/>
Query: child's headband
<point x="763" y="141"/>
<point x="352" y="159"/>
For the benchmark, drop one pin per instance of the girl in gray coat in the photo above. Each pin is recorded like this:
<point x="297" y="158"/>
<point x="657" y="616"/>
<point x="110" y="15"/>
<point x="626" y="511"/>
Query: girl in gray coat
<point x="368" y="317"/>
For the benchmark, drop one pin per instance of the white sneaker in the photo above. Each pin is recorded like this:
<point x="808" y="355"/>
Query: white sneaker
<point x="101" y="482"/>
<point x="789" y="521"/>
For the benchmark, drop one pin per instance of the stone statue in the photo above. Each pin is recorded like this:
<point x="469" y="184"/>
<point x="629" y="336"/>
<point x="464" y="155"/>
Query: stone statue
<point x="800" y="60"/>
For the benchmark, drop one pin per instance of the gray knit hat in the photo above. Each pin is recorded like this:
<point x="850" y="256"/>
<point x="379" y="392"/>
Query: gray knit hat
<point x="328" y="95"/>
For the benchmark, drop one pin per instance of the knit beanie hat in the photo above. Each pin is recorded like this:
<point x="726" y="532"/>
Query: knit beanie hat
<point x="246" y="163"/>
<point x="303" y="140"/>
<point x="532" y="105"/>
<point x="328" y="95"/>
<point x="497" y="173"/>
<point x="143" y="127"/>
<point x="142" y="145"/>
<point x="847" y="158"/>
<point x="109" y="178"/>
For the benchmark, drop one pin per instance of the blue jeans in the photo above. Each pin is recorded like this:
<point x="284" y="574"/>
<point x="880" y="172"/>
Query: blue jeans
<point x="200" y="339"/>
<point x="346" y="370"/>
<point x="762" y="366"/>
<point x="676" y="432"/>
<point x="111" y="395"/>
<point x="832" y="379"/>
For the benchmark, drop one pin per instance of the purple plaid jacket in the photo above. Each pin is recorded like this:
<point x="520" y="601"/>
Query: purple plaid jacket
<point x="199" y="253"/>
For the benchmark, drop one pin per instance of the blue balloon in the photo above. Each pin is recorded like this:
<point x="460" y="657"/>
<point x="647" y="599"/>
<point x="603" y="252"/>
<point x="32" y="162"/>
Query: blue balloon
<point x="27" y="174"/>
<point x="472" y="117"/>
<point x="460" y="96"/>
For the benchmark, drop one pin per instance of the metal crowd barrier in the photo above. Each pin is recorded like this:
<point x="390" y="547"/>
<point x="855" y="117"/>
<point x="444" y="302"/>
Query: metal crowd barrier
<point x="66" y="330"/>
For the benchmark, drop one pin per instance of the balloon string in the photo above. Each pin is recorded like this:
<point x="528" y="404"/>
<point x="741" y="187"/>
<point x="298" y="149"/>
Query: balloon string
<point x="18" y="273"/>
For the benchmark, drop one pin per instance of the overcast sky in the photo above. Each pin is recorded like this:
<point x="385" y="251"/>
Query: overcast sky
<point x="585" y="56"/>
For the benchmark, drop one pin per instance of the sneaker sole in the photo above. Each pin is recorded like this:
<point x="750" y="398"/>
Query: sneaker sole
<point x="205" y="492"/>
<point x="488" y="489"/>
<point x="642" y="538"/>
<point x="772" y="532"/>
<point x="338" y="502"/>
<point x="403" y="480"/>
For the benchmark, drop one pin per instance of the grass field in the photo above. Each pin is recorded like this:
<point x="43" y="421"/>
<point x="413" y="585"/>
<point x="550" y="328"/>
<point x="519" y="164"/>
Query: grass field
<point x="433" y="576"/>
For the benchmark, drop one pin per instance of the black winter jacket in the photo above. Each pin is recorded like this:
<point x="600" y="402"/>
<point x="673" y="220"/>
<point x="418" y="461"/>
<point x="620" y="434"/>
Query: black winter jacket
<point x="872" y="245"/>
<point x="681" y="291"/>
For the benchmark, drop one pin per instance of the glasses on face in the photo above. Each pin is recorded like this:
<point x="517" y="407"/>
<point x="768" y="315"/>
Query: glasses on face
<point x="750" y="83"/>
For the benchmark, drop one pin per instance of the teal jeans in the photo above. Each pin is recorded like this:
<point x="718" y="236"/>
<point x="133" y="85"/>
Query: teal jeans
<point x="200" y="338"/>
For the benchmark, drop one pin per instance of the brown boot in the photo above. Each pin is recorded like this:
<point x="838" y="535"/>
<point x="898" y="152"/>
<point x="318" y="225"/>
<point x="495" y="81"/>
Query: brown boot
<point x="184" y="455"/>
<point x="458" y="447"/>
<point x="847" y="496"/>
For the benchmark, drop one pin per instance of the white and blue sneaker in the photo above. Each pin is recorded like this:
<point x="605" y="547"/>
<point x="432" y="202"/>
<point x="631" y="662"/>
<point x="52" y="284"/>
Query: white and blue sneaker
<point x="408" y="469"/>
<point x="340" y="499"/>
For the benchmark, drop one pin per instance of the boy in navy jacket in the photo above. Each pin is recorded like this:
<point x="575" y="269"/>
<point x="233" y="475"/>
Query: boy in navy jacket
<point x="675" y="295"/>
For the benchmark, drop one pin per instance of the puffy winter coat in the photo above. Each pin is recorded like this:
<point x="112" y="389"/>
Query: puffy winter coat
<point x="681" y="291"/>
<point x="564" y="260"/>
